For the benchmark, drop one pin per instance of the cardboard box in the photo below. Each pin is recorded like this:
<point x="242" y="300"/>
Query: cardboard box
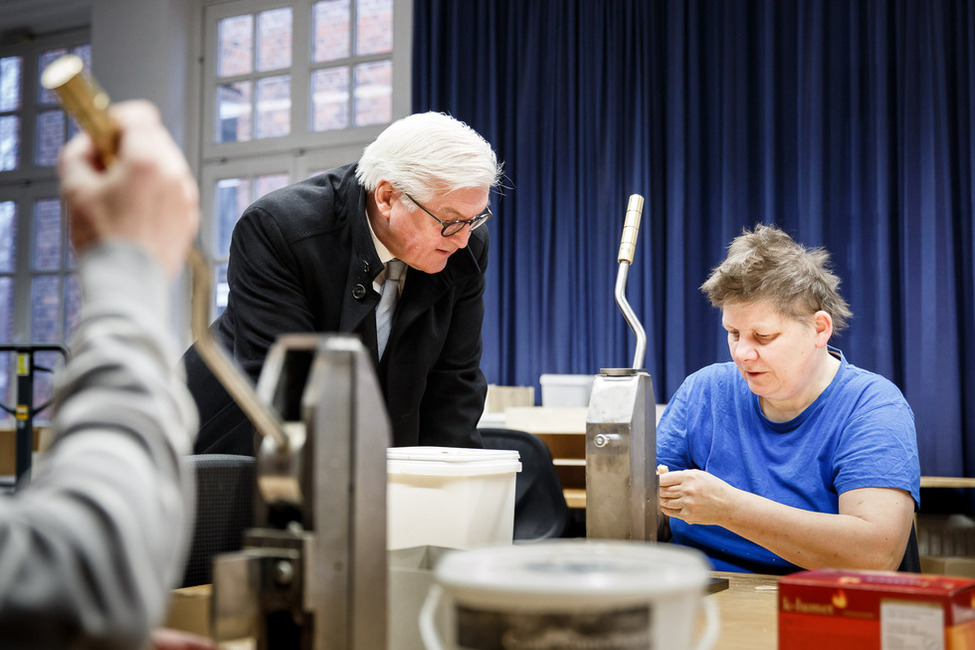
<point x="963" y="567"/>
<point x="881" y="610"/>
<point x="189" y="610"/>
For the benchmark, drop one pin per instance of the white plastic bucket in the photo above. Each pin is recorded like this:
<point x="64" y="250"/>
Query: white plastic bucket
<point x="569" y="595"/>
<point x="454" y="498"/>
<point x="566" y="390"/>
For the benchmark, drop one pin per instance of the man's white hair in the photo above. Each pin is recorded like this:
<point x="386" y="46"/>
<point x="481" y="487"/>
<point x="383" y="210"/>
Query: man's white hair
<point x="426" y="154"/>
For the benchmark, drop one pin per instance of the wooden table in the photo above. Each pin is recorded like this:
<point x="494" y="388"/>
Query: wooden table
<point x="748" y="610"/>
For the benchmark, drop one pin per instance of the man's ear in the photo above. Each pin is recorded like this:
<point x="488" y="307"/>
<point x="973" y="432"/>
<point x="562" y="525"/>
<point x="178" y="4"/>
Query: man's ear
<point x="384" y="195"/>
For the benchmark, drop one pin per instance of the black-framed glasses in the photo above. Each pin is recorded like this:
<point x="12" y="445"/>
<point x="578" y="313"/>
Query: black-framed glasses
<point x="453" y="227"/>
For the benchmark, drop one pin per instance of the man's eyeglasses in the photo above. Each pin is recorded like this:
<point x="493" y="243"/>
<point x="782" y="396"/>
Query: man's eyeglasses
<point x="454" y="227"/>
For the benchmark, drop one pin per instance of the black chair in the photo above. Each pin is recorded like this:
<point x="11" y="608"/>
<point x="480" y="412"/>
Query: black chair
<point x="540" y="508"/>
<point x="912" y="558"/>
<point x="224" y="509"/>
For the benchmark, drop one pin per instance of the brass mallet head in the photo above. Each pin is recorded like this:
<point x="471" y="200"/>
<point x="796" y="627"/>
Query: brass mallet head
<point x="85" y="101"/>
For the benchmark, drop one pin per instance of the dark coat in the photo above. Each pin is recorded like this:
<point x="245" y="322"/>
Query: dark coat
<point x="302" y="260"/>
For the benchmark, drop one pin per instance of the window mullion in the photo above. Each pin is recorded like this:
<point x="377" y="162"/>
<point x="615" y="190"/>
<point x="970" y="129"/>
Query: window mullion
<point x="300" y="70"/>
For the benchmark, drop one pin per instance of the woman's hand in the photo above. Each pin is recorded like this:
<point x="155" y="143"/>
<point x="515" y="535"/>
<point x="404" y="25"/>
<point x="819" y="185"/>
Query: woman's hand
<point x="696" y="497"/>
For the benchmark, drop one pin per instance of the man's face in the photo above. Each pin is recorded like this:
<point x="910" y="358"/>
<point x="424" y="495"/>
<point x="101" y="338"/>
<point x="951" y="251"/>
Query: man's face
<point x="415" y="238"/>
<point x="775" y="354"/>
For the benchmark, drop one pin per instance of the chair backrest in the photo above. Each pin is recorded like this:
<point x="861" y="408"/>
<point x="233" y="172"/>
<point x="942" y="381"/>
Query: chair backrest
<point x="912" y="558"/>
<point x="224" y="509"/>
<point x="540" y="508"/>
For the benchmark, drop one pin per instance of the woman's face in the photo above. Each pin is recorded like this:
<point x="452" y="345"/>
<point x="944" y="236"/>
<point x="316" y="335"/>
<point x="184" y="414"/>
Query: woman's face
<point x="780" y="357"/>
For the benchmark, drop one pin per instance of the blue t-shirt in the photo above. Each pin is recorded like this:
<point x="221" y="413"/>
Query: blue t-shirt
<point x="858" y="433"/>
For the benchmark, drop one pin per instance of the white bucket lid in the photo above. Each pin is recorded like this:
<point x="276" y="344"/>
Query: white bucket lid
<point x="451" y="461"/>
<point x="574" y="572"/>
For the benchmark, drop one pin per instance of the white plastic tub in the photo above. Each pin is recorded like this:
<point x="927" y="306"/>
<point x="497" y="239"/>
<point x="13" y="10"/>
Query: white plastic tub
<point x="566" y="390"/>
<point x="454" y="498"/>
<point x="608" y="594"/>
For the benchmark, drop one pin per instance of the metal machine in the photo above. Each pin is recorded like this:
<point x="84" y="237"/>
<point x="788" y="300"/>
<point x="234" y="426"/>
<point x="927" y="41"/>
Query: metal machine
<point x="312" y="573"/>
<point x="621" y="440"/>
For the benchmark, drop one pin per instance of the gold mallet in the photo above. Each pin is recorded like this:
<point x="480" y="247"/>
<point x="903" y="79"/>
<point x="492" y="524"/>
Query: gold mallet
<point x="85" y="101"/>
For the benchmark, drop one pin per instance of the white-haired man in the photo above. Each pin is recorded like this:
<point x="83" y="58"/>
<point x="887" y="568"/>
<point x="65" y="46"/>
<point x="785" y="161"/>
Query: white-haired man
<point x="312" y="257"/>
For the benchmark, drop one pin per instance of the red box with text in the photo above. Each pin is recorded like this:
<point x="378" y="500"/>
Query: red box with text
<point x="880" y="610"/>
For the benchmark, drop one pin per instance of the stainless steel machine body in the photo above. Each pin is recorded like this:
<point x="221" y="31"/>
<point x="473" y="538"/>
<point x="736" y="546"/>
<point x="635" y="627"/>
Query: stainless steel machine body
<point x="312" y="573"/>
<point x="621" y="440"/>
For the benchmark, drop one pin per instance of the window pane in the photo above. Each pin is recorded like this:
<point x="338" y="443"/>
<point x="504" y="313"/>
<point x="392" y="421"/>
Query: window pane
<point x="273" y="106"/>
<point x="234" y="112"/>
<point x="374" y="26"/>
<point x="50" y="137"/>
<point x="47" y="235"/>
<point x="8" y="237"/>
<point x="232" y="198"/>
<point x="332" y="30"/>
<point x="269" y="183"/>
<point x="274" y="39"/>
<point x="83" y="52"/>
<point x="71" y="258"/>
<point x="373" y="93"/>
<point x="6" y="310"/>
<point x="72" y="305"/>
<point x="9" y="142"/>
<point x="45" y="96"/>
<point x="45" y="308"/>
<point x="235" y="46"/>
<point x="10" y="83"/>
<point x="330" y="99"/>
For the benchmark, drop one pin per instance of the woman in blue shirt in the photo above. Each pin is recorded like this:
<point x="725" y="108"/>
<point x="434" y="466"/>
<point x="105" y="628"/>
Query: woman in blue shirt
<point x="789" y="456"/>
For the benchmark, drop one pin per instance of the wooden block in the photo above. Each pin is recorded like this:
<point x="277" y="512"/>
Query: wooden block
<point x="547" y="419"/>
<point x="500" y="398"/>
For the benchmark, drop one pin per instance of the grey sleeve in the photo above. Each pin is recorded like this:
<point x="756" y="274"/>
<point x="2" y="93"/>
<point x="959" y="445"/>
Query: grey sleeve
<point x="90" y="550"/>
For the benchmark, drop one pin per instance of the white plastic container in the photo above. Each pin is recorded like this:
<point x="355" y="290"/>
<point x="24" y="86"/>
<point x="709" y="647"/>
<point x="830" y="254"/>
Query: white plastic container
<point x="454" y="498"/>
<point x="566" y="390"/>
<point x="611" y="594"/>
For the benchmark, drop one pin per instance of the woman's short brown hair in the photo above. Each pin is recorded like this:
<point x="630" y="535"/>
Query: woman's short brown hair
<point x="765" y="264"/>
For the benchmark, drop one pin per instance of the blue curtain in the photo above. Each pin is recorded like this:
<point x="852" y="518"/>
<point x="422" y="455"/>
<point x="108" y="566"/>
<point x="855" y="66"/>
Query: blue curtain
<point x="848" y="124"/>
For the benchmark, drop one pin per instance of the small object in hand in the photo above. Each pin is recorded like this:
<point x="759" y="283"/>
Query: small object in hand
<point x="662" y="469"/>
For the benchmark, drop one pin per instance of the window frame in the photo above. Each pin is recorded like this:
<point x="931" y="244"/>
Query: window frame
<point x="301" y="139"/>
<point x="25" y="186"/>
<point x="29" y="50"/>
<point x="302" y="152"/>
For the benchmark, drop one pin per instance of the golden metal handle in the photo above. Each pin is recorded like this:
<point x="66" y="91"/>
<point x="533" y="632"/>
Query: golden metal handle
<point x="85" y="101"/>
<point x="631" y="227"/>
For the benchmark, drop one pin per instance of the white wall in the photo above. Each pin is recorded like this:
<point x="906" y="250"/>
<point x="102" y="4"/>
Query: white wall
<point x="147" y="49"/>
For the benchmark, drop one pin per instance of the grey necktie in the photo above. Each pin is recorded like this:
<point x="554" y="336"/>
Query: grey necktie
<point x="387" y="303"/>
